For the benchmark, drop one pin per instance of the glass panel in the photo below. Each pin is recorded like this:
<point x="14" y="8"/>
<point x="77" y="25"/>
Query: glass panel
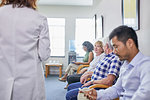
<point x="85" y="31"/>
<point x="57" y="36"/>
<point x="131" y="13"/>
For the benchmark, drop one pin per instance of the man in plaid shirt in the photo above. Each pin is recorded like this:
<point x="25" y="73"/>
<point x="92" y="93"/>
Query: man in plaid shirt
<point x="106" y="72"/>
<point x="109" y="65"/>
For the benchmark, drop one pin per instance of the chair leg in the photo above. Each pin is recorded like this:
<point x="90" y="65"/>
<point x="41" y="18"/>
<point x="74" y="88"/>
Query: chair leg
<point x="46" y="71"/>
<point x="60" y="71"/>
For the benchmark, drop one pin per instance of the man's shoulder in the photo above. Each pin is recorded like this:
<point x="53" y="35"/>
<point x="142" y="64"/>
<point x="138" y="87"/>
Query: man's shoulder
<point x="143" y="66"/>
<point x="114" y="57"/>
<point x="145" y="61"/>
<point x="141" y="59"/>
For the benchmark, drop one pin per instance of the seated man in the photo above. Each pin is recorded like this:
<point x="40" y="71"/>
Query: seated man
<point x="133" y="82"/>
<point x="98" y="49"/>
<point x="106" y="72"/>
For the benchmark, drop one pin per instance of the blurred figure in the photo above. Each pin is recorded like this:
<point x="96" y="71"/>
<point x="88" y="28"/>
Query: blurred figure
<point x="88" y="48"/>
<point x="24" y="44"/>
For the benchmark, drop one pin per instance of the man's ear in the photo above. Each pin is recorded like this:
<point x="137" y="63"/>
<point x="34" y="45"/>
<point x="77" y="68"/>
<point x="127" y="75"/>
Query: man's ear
<point x="107" y="46"/>
<point x="130" y="43"/>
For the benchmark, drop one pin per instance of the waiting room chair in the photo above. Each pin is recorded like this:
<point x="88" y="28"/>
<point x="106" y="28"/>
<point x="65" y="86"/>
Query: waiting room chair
<point x="80" y="67"/>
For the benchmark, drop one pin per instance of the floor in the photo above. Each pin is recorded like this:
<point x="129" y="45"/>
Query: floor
<point x="54" y="88"/>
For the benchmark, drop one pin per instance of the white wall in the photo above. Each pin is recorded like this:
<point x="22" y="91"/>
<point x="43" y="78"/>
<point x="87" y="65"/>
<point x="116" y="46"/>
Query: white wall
<point x="70" y="13"/>
<point x="144" y="32"/>
<point x="111" y="11"/>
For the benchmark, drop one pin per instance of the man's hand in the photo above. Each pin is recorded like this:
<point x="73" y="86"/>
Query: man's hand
<point x="83" y="78"/>
<point x="90" y="94"/>
<point x="87" y="84"/>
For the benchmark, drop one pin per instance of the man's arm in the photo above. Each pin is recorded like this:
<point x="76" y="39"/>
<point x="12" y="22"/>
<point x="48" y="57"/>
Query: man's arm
<point x="106" y="81"/>
<point x="143" y="91"/>
<point x="85" y="76"/>
<point x="107" y="94"/>
<point x="111" y="92"/>
<point x="88" y="72"/>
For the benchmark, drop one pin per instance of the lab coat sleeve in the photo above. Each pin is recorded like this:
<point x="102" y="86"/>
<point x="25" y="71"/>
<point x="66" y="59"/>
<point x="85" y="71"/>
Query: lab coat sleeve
<point x="44" y="41"/>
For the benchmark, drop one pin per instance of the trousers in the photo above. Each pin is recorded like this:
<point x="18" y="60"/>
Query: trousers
<point x="73" y="78"/>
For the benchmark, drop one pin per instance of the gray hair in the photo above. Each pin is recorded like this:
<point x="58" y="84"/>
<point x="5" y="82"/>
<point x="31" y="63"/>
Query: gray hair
<point x="107" y="41"/>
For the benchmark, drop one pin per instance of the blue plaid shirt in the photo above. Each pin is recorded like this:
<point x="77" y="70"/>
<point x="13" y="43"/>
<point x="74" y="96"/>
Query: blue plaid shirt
<point x="109" y="65"/>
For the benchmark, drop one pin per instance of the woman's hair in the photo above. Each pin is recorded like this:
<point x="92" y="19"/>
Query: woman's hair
<point x="89" y="46"/>
<point x="100" y="43"/>
<point x="20" y="3"/>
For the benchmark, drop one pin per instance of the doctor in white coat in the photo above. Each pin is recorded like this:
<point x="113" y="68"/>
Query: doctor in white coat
<point x="24" y="44"/>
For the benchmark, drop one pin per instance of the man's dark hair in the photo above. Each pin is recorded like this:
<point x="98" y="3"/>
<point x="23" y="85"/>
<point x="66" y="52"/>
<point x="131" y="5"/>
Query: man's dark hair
<point x="123" y="33"/>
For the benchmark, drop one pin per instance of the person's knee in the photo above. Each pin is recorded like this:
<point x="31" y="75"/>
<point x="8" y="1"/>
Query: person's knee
<point x="69" y="87"/>
<point x="68" y="96"/>
<point x="72" y="94"/>
<point x="70" y="65"/>
<point x="70" y="79"/>
<point x="71" y="97"/>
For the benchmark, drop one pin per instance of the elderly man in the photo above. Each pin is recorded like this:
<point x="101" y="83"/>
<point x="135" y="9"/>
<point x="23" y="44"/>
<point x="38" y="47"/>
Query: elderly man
<point x="106" y="72"/>
<point x="133" y="82"/>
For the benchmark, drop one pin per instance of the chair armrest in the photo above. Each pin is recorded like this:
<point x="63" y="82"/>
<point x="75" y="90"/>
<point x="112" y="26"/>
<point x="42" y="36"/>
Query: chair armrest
<point x="80" y="67"/>
<point x="99" y="86"/>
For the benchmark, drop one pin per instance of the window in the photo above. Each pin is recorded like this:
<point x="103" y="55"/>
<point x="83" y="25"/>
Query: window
<point x="85" y="31"/>
<point x="57" y="36"/>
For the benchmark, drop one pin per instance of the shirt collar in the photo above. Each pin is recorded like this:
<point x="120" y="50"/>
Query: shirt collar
<point x="136" y="59"/>
<point x="109" y="55"/>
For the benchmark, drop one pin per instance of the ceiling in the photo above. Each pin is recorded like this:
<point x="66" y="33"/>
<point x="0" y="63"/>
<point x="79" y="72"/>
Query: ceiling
<point x="66" y="2"/>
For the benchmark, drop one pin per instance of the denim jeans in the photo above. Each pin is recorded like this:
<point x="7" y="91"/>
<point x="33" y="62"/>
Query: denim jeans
<point x="73" y="91"/>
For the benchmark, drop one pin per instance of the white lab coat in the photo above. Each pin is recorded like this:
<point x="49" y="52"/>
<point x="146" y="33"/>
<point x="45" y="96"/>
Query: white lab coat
<point x="24" y="44"/>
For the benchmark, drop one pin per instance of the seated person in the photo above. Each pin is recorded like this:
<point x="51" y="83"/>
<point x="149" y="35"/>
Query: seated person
<point x="106" y="72"/>
<point x="87" y="47"/>
<point x="133" y="82"/>
<point x="98" y="49"/>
